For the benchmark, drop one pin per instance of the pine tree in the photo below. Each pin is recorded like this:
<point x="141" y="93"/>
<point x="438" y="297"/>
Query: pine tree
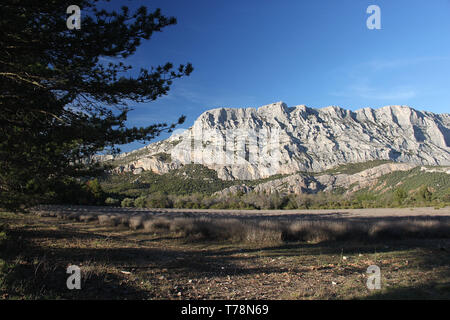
<point x="60" y="104"/>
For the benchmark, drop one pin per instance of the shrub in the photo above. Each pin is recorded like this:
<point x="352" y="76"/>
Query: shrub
<point x="112" y="201"/>
<point x="96" y="191"/>
<point x="424" y="194"/>
<point x="265" y="232"/>
<point x="3" y="236"/>
<point x="123" y="219"/>
<point x="140" y="202"/>
<point x="87" y="217"/>
<point x="158" y="200"/>
<point x="135" y="222"/>
<point x="157" y="224"/>
<point x="109" y="220"/>
<point x="400" y="195"/>
<point x="127" y="202"/>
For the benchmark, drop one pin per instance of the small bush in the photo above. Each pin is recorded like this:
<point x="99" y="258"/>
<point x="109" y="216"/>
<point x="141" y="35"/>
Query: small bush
<point x="87" y="217"/>
<point x="112" y="201"/>
<point x="158" y="200"/>
<point x="135" y="222"/>
<point x="108" y="220"/>
<point x="424" y="194"/>
<point x="157" y="224"/>
<point x="127" y="203"/>
<point x="260" y="234"/>
<point x="3" y="236"/>
<point x="400" y="195"/>
<point x="123" y="219"/>
<point x="140" y="202"/>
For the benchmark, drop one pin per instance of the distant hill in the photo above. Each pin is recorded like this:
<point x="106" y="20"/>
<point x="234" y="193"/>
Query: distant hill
<point x="257" y="143"/>
<point x="369" y="184"/>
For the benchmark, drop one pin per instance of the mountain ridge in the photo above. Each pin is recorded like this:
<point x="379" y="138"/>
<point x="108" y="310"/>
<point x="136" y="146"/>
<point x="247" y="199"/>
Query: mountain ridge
<point x="231" y="140"/>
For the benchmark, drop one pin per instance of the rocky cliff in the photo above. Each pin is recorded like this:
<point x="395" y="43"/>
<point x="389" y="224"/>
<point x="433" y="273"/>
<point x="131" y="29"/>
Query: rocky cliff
<point x="254" y="143"/>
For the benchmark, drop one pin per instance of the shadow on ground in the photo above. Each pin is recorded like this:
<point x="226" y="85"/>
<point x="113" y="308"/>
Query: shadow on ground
<point x="35" y="271"/>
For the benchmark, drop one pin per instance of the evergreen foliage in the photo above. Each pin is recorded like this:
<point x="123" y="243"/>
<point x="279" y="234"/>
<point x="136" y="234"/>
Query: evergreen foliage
<point x="61" y="102"/>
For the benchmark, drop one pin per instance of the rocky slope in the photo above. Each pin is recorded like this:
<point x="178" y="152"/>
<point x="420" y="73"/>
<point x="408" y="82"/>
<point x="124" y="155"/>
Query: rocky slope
<point x="254" y="143"/>
<point x="304" y="183"/>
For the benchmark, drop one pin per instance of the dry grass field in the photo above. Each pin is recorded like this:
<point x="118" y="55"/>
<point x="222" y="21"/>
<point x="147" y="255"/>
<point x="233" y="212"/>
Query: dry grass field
<point x="217" y="254"/>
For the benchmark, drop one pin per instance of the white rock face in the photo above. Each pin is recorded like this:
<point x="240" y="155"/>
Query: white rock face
<point x="255" y="143"/>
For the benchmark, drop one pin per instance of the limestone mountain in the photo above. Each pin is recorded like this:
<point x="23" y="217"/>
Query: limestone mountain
<point x="255" y="143"/>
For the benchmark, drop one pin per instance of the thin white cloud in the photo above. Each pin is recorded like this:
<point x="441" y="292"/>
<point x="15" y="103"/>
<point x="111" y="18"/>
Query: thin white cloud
<point x="365" y="91"/>
<point x="397" y="93"/>
<point x="199" y="95"/>
<point x="378" y="65"/>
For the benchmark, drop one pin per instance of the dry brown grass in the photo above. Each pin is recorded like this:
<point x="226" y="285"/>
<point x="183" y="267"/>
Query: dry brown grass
<point x="162" y="258"/>
<point x="135" y="222"/>
<point x="157" y="224"/>
<point x="318" y="231"/>
<point x="213" y="228"/>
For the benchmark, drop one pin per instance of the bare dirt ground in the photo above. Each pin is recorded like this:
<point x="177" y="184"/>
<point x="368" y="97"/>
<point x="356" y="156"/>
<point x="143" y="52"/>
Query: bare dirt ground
<point x="383" y="213"/>
<point x="119" y="263"/>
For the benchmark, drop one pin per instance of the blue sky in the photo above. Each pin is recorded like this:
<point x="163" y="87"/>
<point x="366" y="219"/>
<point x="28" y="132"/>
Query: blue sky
<point x="312" y="52"/>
